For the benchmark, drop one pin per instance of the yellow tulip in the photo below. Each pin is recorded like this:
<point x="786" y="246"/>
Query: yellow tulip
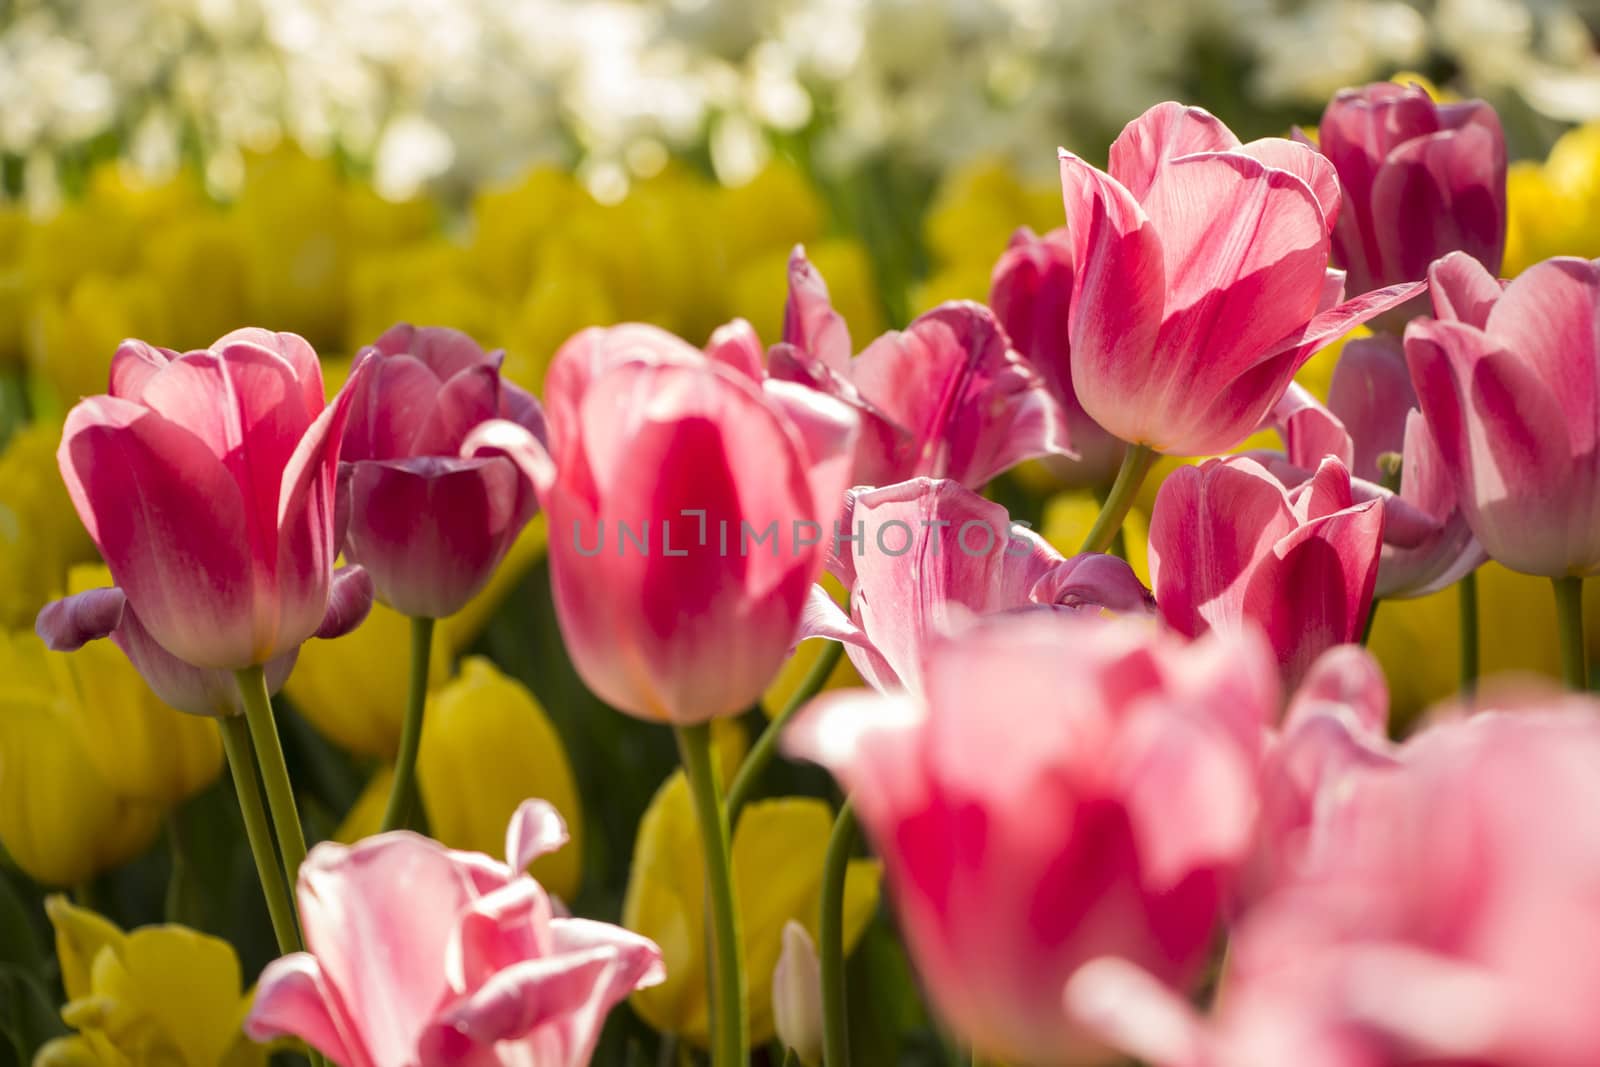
<point x="567" y="293"/>
<point x="13" y="284"/>
<point x="510" y="221"/>
<point x="487" y="746"/>
<point x="1553" y="208"/>
<point x="353" y="689"/>
<point x="979" y="206"/>
<point x="775" y="210"/>
<point x="160" y="995"/>
<point x="778" y="850"/>
<point x="425" y="283"/>
<point x="73" y="335"/>
<point x="199" y="265"/>
<point x="40" y="535"/>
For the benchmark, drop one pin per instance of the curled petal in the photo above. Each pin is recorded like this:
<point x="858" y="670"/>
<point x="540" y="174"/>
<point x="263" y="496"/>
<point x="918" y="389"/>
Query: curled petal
<point x="67" y="625"/>
<point x="536" y="828"/>
<point x="291" y="1000"/>
<point x="736" y="346"/>
<point x="349" y="601"/>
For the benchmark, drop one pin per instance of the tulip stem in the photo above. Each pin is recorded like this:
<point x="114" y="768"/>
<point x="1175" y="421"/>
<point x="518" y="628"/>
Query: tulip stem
<point x="402" y="794"/>
<point x="1569" y="621"/>
<point x="1468" y="590"/>
<point x="242" y="763"/>
<point x="730" y="1027"/>
<point x="830" y="938"/>
<point x="1136" y="463"/>
<point x="274" y="771"/>
<point x="766" y="745"/>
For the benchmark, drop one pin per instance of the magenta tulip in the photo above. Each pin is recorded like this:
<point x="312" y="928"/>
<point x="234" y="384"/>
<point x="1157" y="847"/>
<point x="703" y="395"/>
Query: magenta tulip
<point x="429" y="525"/>
<point x="68" y="624"/>
<point x="1443" y="917"/>
<point x="207" y="480"/>
<point x="1031" y="293"/>
<point x="928" y="557"/>
<point x="1202" y="279"/>
<point x="1420" y="180"/>
<point x="947" y="397"/>
<point x="1510" y="385"/>
<point x="1231" y="547"/>
<point x="420" y="956"/>
<point x="690" y="508"/>
<point x="1063" y="789"/>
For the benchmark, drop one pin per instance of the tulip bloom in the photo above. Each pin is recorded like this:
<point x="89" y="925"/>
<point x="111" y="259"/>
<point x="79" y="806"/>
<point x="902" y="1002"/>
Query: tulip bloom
<point x="207" y="481"/>
<point x="1062" y="790"/>
<point x="428" y="525"/>
<point x="1031" y="294"/>
<point x="457" y="958"/>
<point x="947" y="397"/>
<point x="689" y="510"/>
<point x="1202" y="281"/>
<point x="1420" y="180"/>
<point x="1510" y="385"/>
<point x="930" y="557"/>
<point x="1231" y="547"/>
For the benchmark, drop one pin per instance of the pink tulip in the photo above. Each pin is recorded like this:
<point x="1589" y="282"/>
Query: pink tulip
<point x="1230" y="547"/>
<point x="1202" y="281"/>
<point x="1031" y="293"/>
<point x="930" y="557"/>
<point x="1444" y="915"/>
<point x="1063" y="789"/>
<point x="68" y="624"/>
<point x="947" y="397"/>
<point x="1369" y="423"/>
<point x="427" y="524"/>
<point x="690" y="508"/>
<point x="207" y="481"/>
<point x="421" y="956"/>
<point x="1510" y="385"/>
<point x="1420" y="180"/>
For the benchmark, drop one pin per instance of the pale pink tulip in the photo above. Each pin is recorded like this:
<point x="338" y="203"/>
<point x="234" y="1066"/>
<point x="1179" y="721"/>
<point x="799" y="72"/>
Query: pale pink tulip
<point x="1063" y="789"/>
<point x="207" y="480"/>
<point x="1202" y="279"/>
<point x="928" y="557"/>
<point x="947" y="397"/>
<point x="1510" y="385"/>
<point x="1031" y="294"/>
<point x="1231" y="547"/>
<point x="1443" y="916"/>
<point x="429" y="525"/>
<point x="68" y="624"/>
<point x="1420" y="180"/>
<point x="421" y="956"/>
<point x="690" y="509"/>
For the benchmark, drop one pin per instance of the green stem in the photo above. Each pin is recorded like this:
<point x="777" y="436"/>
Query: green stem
<point x="667" y="1051"/>
<point x="242" y="762"/>
<point x="766" y="746"/>
<point x="1569" y="620"/>
<point x="730" y="1028"/>
<point x="1372" y="619"/>
<point x="402" y="794"/>
<point x="1136" y="463"/>
<point x="176" y="905"/>
<point x="830" y="940"/>
<point x="274" y="771"/>
<point x="1468" y="591"/>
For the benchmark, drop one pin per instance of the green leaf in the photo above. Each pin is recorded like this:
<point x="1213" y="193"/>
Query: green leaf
<point x="20" y="942"/>
<point x="27" y="1018"/>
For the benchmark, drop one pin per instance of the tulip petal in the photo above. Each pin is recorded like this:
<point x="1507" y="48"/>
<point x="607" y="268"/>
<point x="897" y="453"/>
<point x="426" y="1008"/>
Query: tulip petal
<point x="1549" y="317"/>
<point x="1329" y="325"/>
<point x="1371" y="394"/>
<point x="292" y="1000"/>
<point x="809" y="322"/>
<point x="387" y="412"/>
<point x="1446" y="190"/>
<point x="1305" y="163"/>
<point x="1318" y="591"/>
<point x="1309" y="430"/>
<point x="134" y="364"/>
<point x="464" y="401"/>
<point x="1165" y="132"/>
<point x="168" y="518"/>
<point x="1348" y="676"/>
<point x="1136" y="1013"/>
<point x="67" y="625"/>
<point x="536" y="828"/>
<point x="736" y="346"/>
<point x="349" y="601"/>
<point x="293" y="349"/>
<point x="828" y="430"/>
<point x="501" y="437"/>
<point x="1093" y="581"/>
<point x="1463" y="289"/>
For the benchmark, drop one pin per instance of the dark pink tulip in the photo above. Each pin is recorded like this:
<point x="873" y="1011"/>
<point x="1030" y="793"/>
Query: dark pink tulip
<point x="421" y="956"/>
<point x="1230" y="547"/>
<point x="1202" y="281"/>
<point x="690" y="509"/>
<point x="208" y="480"/>
<point x="67" y="624"/>
<point x="947" y="397"/>
<point x="1063" y="789"/>
<point x="1372" y="421"/>
<point x="1031" y="293"/>
<point x="429" y="525"/>
<point x="1420" y="180"/>
<point x="931" y="556"/>
<point x="1510" y="386"/>
<point x="1443" y="917"/>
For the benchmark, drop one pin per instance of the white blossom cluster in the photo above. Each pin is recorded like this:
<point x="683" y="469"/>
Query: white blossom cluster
<point x="456" y="92"/>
